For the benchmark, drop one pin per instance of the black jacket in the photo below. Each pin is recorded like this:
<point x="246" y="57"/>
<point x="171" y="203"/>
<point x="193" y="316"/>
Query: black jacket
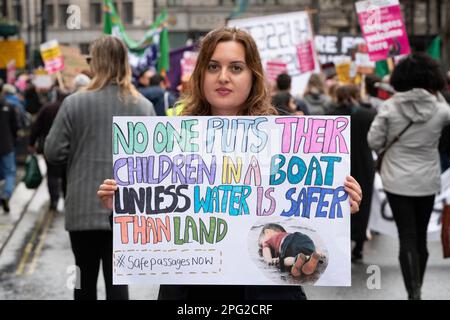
<point x="362" y="164"/>
<point x="8" y="128"/>
<point x="41" y="127"/>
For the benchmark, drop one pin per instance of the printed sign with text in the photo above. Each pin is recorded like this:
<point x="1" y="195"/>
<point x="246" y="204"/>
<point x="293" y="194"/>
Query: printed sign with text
<point x="278" y="37"/>
<point x="383" y="28"/>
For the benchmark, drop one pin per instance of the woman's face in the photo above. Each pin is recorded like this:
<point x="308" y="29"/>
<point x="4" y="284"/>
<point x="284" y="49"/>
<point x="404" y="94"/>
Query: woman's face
<point x="227" y="79"/>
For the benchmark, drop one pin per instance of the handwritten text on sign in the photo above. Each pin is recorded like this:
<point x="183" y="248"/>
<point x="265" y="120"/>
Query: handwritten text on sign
<point x="194" y="193"/>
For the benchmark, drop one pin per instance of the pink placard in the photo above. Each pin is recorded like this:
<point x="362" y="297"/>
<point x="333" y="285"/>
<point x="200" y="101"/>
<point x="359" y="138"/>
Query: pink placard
<point x="305" y="55"/>
<point x="54" y="65"/>
<point x="384" y="31"/>
<point x="11" y="72"/>
<point x="275" y="68"/>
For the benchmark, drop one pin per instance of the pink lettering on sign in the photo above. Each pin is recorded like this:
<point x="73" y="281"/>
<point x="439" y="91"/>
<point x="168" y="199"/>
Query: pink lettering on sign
<point x="54" y="65"/>
<point x="275" y="68"/>
<point x="305" y="55"/>
<point x="313" y="135"/>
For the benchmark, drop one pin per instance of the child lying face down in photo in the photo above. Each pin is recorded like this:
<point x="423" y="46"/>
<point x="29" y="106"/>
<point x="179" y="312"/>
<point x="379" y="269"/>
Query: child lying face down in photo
<point x="288" y="250"/>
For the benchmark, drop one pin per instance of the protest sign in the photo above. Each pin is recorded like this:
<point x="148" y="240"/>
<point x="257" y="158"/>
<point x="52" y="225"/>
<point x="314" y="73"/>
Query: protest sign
<point x="41" y="79"/>
<point x="335" y="48"/>
<point x="194" y="194"/>
<point x="52" y="56"/>
<point x="188" y="62"/>
<point x="383" y="28"/>
<point x="12" y="50"/>
<point x="278" y="37"/>
<point x="11" y="72"/>
<point x="274" y="69"/>
<point x="343" y="72"/>
<point x="74" y="63"/>
<point x="305" y="54"/>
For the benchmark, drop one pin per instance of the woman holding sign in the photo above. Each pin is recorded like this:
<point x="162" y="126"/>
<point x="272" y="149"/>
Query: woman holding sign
<point x="228" y="80"/>
<point x="79" y="137"/>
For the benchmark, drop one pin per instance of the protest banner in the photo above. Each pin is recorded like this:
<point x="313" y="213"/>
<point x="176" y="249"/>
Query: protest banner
<point x="74" y="63"/>
<point x="335" y="48"/>
<point x="305" y="54"/>
<point x="278" y="37"/>
<point x="188" y="62"/>
<point x="275" y="68"/>
<point x="52" y="56"/>
<point x="383" y="28"/>
<point x="194" y="194"/>
<point x="12" y="50"/>
<point x="11" y="72"/>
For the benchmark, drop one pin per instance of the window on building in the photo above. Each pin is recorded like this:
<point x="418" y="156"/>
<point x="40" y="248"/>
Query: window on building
<point x="84" y="47"/>
<point x="49" y="15"/>
<point x="62" y="14"/>
<point x="161" y="3"/>
<point x="127" y="12"/>
<point x="17" y="11"/>
<point x="229" y="2"/>
<point x="172" y="3"/>
<point x="95" y="14"/>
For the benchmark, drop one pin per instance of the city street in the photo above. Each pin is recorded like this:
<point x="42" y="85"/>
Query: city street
<point x="37" y="263"/>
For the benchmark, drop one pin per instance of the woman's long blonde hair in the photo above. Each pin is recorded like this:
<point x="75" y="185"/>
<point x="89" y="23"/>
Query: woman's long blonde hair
<point x="316" y="85"/>
<point x="258" y="101"/>
<point x="109" y="65"/>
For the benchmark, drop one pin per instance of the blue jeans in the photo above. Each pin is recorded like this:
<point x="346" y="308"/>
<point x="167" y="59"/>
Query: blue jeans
<point x="8" y="172"/>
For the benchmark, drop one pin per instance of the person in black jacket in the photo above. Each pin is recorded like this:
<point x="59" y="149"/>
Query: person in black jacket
<point x="8" y="135"/>
<point x="158" y="94"/>
<point x="39" y="131"/>
<point x="362" y="165"/>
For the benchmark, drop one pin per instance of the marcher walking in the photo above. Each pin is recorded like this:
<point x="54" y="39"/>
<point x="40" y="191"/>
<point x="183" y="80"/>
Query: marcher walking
<point x="81" y="137"/>
<point x="410" y="169"/>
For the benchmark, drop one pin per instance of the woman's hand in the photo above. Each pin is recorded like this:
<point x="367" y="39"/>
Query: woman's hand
<point x="354" y="191"/>
<point x="106" y="192"/>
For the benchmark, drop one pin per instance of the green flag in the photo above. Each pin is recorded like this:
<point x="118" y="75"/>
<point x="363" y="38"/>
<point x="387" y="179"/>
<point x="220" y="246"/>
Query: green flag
<point x="381" y="68"/>
<point x="163" y="63"/>
<point x="156" y="34"/>
<point x="240" y="7"/>
<point x="434" y="50"/>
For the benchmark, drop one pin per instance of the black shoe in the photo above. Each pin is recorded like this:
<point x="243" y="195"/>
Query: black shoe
<point x="5" y="205"/>
<point x="357" y="257"/>
<point x="53" y="207"/>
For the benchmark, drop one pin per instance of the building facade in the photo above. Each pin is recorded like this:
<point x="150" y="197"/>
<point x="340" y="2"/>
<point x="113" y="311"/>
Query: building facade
<point x="78" y="22"/>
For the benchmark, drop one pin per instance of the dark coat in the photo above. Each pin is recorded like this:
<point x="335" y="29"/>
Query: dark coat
<point x="362" y="164"/>
<point x="41" y="126"/>
<point x="8" y="128"/>
<point x="156" y="96"/>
